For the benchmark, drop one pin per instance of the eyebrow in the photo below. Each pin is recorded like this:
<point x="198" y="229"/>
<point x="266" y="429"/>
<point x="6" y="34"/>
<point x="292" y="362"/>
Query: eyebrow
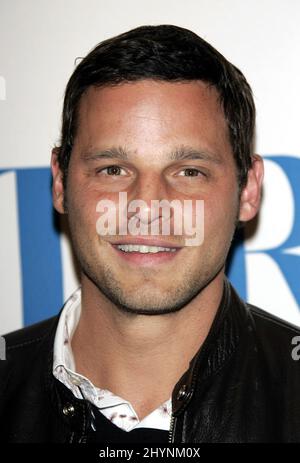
<point x="186" y="152"/>
<point x="178" y="154"/>
<point x="109" y="153"/>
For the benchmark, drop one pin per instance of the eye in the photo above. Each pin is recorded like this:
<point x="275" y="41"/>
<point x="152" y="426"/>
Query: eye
<point x="111" y="170"/>
<point x="191" y="172"/>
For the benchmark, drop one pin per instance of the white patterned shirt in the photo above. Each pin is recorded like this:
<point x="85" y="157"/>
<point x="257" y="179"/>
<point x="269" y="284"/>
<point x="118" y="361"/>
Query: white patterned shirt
<point x="118" y="410"/>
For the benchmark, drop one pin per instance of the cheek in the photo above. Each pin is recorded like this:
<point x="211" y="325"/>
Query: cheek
<point x="84" y="211"/>
<point x="81" y="208"/>
<point x="220" y="216"/>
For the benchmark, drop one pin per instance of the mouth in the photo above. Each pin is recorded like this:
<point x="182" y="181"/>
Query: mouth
<point x="142" y="254"/>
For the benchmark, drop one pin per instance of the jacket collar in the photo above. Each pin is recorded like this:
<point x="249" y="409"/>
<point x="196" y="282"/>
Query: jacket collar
<point x="219" y="345"/>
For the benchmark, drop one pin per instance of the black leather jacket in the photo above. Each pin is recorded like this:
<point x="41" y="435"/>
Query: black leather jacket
<point x="242" y="386"/>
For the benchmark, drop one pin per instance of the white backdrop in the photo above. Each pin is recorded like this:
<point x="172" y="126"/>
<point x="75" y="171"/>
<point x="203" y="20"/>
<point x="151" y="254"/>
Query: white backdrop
<point x="39" y="42"/>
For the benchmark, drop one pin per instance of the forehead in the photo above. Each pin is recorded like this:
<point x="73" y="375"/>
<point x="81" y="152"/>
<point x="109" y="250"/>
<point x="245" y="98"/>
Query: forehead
<point x="155" y="95"/>
<point x="148" y="112"/>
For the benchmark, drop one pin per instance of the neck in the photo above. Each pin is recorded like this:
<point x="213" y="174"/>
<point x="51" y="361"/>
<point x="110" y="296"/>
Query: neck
<point x="140" y="357"/>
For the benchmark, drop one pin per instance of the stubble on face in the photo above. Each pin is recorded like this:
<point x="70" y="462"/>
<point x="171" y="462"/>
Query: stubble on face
<point x="146" y="297"/>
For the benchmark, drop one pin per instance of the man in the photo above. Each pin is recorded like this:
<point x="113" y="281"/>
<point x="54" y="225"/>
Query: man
<point x="156" y="346"/>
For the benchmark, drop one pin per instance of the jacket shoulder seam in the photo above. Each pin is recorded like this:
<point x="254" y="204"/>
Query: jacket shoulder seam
<point x="266" y="316"/>
<point x="24" y="343"/>
<point x="29" y="335"/>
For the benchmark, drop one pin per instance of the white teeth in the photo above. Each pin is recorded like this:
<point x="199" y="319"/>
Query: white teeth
<point x="143" y="249"/>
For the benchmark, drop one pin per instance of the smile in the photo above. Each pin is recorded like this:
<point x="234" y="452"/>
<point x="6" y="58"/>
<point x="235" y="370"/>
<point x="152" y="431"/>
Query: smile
<point x="143" y="249"/>
<point x="144" y="255"/>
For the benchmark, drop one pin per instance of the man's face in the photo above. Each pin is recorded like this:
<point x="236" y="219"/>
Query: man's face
<point x="150" y="121"/>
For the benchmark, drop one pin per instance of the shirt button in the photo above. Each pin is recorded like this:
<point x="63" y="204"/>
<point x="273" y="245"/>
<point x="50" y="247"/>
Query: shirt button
<point x="76" y="381"/>
<point x="68" y="410"/>
<point x="182" y="393"/>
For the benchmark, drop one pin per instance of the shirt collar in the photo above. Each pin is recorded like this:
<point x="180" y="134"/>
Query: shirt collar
<point x="64" y="368"/>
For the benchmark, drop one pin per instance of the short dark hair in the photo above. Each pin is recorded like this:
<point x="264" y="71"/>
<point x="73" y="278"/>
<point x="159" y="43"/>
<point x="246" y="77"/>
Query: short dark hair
<point x="167" y="53"/>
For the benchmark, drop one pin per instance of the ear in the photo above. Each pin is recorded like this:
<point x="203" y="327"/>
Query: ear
<point x="57" y="183"/>
<point x="251" y="193"/>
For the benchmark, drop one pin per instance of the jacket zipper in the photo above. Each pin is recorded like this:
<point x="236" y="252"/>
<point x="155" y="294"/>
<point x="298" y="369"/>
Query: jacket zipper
<point x="171" y="429"/>
<point x="171" y="437"/>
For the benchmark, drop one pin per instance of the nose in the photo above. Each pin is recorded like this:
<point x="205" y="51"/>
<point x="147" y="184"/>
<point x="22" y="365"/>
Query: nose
<point x="144" y="200"/>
